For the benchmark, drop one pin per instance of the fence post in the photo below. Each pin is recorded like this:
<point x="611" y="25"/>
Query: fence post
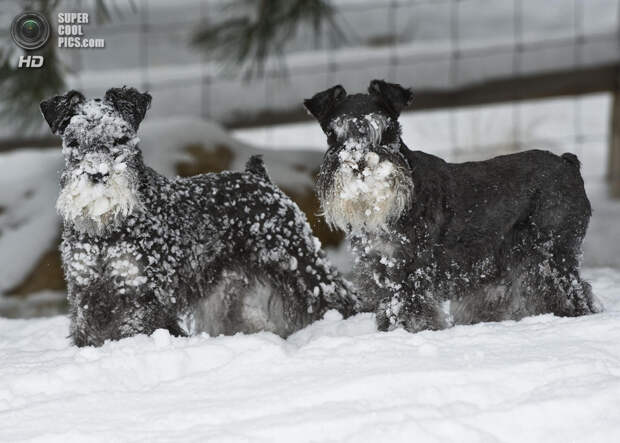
<point x="614" y="142"/>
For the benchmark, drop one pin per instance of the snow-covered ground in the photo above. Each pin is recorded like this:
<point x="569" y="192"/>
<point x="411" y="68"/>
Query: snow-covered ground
<point x="541" y="379"/>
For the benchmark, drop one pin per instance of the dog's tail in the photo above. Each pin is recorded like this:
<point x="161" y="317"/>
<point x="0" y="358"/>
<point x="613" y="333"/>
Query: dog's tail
<point x="572" y="159"/>
<point x="256" y="166"/>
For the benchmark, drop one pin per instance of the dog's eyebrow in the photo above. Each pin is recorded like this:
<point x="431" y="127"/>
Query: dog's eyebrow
<point x="375" y="123"/>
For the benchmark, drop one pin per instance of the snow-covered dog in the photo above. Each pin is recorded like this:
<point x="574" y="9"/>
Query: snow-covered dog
<point x="499" y="239"/>
<point x="220" y="253"/>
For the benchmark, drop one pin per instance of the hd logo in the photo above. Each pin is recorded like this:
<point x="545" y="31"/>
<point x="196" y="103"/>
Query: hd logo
<point x="30" y="61"/>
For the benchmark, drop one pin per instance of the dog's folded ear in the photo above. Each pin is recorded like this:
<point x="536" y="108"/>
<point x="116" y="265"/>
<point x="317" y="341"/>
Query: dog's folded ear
<point x="323" y="102"/>
<point x="58" y="110"/>
<point x="393" y="95"/>
<point x="130" y="103"/>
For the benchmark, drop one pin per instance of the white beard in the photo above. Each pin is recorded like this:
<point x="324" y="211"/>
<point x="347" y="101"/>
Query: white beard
<point x="93" y="207"/>
<point x="368" y="200"/>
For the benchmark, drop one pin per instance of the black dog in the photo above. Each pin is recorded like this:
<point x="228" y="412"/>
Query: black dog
<point x="499" y="239"/>
<point x="220" y="253"/>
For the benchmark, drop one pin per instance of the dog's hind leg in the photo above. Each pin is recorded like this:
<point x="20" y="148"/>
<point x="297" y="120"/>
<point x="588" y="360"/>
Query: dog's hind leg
<point x="562" y="271"/>
<point x="549" y="282"/>
<point x="559" y="268"/>
<point x="552" y="247"/>
<point x="293" y="282"/>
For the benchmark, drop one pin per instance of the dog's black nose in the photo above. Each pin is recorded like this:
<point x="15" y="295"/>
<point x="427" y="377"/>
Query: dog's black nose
<point x="97" y="177"/>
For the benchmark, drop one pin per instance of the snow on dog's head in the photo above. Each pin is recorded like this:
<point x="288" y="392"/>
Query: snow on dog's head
<point x="364" y="182"/>
<point x="99" y="184"/>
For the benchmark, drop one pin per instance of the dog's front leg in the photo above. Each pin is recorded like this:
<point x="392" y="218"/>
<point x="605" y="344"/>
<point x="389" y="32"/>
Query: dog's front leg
<point x="412" y="304"/>
<point x="93" y="316"/>
<point x="100" y="312"/>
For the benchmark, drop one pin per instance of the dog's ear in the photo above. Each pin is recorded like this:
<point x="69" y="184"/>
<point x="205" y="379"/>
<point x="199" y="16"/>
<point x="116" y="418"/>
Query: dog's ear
<point x="130" y="103"/>
<point x="393" y="95"/>
<point x="58" y="110"/>
<point x="323" y="102"/>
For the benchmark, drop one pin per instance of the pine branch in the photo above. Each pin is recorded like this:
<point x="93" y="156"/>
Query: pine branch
<point x="103" y="10"/>
<point x="260" y="29"/>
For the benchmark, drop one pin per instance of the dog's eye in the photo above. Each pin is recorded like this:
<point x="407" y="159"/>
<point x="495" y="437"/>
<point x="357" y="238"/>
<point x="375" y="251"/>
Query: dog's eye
<point x="73" y="143"/>
<point x="123" y="140"/>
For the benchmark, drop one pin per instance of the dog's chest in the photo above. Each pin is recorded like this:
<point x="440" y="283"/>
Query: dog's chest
<point x="121" y="264"/>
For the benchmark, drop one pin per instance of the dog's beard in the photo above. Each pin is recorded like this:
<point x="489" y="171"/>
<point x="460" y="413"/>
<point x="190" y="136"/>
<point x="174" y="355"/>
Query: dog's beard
<point x="93" y="208"/>
<point x="369" y="199"/>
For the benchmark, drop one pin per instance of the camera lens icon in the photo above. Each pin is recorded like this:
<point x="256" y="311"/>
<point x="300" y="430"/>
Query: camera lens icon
<point x="30" y="30"/>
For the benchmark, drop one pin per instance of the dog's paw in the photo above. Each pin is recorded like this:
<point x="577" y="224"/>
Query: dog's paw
<point x="389" y="314"/>
<point x="392" y="314"/>
<point x="417" y="323"/>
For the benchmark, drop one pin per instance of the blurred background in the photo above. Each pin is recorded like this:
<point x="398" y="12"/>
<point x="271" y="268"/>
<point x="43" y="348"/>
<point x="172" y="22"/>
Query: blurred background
<point x="228" y="78"/>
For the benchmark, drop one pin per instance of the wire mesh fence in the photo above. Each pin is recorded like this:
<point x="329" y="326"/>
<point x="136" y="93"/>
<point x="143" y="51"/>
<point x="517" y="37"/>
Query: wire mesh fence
<point x="431" y="44"/>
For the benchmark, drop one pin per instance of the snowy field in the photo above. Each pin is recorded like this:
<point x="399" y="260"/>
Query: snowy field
<point x="542" y="379"/>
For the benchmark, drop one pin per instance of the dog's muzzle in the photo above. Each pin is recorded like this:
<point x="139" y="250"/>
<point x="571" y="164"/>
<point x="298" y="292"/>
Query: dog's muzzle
<point x="365" y="192"/>
<point x="97" y="193"/>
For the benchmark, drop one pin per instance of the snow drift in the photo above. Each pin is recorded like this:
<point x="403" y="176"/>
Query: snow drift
<point x="540" y="379"/>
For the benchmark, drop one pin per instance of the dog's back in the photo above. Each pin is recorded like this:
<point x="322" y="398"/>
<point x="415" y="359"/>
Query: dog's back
<point x="491" y="197"/>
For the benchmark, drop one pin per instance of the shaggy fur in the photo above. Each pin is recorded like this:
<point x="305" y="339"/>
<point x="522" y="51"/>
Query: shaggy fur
<point x="219" y="253"/>
<point x="497" y="239"/>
